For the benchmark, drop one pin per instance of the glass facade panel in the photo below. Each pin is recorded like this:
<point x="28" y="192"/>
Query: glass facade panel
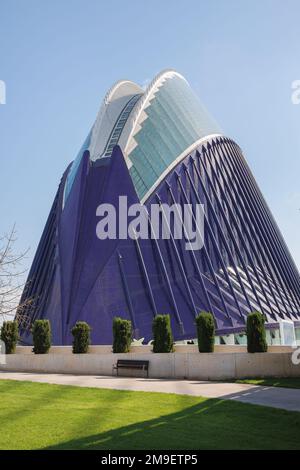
<point x="273" y="337"/>
<point x="175" y="120"/>
<point x="297" y="334"/>
<point x="73" y="170"/>
<point x="240" y="339"/>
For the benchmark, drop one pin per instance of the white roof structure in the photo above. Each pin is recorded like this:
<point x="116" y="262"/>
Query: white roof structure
<point x="154" y="128"/>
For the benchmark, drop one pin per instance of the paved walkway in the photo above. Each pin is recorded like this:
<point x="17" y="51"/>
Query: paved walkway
<point x="285" y="398"/>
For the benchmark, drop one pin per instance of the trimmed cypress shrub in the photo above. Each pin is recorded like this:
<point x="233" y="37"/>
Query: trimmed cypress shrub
<point x="81" y="337"/>
<point x="10" y="335"/>
<point x="122" y="335"/>
<point x="162" y="334"/>
<point x="256" y="333"/>
<point x="41" y="336"/>
<point x="205" y="332"/>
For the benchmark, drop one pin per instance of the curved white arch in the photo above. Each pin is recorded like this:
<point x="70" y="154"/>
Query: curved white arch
<point x="113" y="103"/>
<point x="122" y="88"/>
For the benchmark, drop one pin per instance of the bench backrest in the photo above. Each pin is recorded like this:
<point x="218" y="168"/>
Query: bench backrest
<point x="129" y="362"/>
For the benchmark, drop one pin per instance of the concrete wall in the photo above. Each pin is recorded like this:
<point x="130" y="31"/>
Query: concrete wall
<point x="190" y="365"/>
<point x="180" y="348"/>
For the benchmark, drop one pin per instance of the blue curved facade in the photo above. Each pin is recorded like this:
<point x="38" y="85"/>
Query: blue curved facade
<point x="168" y="142"/>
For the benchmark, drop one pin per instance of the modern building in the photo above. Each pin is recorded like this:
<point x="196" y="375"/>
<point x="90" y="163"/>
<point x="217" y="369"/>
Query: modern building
<point x="159" y="145"/>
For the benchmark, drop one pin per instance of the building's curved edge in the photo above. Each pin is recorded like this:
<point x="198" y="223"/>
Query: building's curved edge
<point x="119" y="94"/>
<point x="181" y="157"/>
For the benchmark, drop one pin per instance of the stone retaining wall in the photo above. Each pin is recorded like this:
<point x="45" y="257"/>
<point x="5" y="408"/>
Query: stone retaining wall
<point x="189" y="365"/>
<point x="145" y="349"/>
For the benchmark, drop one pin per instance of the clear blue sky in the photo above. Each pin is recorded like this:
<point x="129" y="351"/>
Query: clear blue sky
<point x="58" y="58"/>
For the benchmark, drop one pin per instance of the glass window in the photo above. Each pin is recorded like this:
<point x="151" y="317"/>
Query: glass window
<point x="175" y="120"/>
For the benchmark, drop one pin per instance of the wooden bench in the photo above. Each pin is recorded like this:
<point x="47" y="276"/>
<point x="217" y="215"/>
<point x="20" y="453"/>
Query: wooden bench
<point x="131" y="364"/>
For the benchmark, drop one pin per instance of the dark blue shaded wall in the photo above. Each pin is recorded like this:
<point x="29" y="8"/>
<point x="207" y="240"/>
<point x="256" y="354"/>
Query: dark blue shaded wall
<point x="243" y="266"/>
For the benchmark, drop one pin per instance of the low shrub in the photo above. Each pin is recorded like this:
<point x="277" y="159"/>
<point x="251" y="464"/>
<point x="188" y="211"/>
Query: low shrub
<point x="162" y="334"/>
<point x="81" y="337"/>
<point x="206" y="332"/>
<point x="256" y="333"/>
<point x="122" y="335"/>
<point x="41" y="336"/>
<point x="10" y="335"/>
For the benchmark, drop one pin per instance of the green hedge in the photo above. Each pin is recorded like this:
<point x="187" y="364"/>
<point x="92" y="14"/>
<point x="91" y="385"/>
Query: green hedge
<point x="162" y="334"/>
<point x="122" y="335"/>
<point x="206" y="332"/>
<point x="81" y="337"/>
<point x="41" y="336"/>
<point x="256" y="333"/>
<point x="10" y="335"/>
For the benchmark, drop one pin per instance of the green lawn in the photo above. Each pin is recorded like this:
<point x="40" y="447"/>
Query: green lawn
<point x="286" y="382"/>
<point x="39" y="416"/>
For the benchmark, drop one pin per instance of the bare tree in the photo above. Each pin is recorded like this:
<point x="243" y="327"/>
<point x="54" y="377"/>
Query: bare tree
<point x="11" y="275"/>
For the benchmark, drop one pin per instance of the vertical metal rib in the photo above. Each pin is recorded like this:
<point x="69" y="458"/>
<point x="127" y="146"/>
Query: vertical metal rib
<point x="216" y="245"/>
<point x="200" y="275"/>
<point x="166" y="276"/>
<point x="126" y="288"/>
<point x="252" y="227"/>
<point x="178" y="257"/>
<point x="240" y="217"/>
<point x="146" y="276"/>
<point x="228" y="226"/>
<point x="263" y="226"/>
<point x="211" y="269"/>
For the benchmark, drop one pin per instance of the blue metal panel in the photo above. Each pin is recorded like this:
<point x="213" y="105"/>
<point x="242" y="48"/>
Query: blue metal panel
<point x="244" y="264"/>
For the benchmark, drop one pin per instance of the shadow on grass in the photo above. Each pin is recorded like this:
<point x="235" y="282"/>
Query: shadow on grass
<point x="211" y="424"/>
<point x="66" y="417"/>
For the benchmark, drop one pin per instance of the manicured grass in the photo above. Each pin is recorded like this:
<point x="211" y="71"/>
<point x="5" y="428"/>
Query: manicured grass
<point x="38" y="416"/>
<point x="286" y="382"/>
